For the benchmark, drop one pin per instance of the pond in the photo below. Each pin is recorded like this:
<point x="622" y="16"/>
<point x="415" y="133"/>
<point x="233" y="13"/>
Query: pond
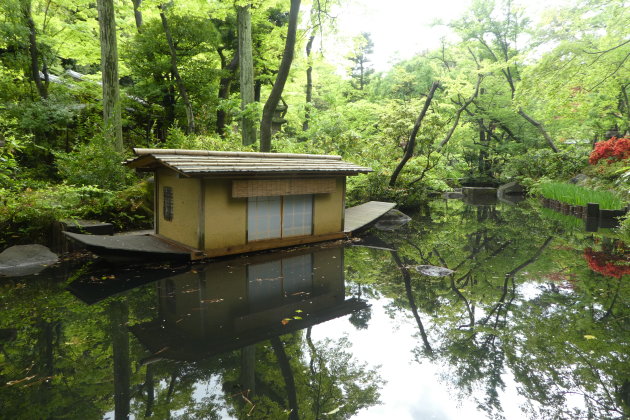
<point x="534" y="323"/>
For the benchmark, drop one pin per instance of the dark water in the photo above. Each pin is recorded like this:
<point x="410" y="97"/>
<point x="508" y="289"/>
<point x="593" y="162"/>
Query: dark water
<point x="534" y="323"/>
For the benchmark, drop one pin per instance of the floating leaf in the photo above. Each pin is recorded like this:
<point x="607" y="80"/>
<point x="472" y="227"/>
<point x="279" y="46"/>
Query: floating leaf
<point x="333" y="411"/>
<point x="299" y="311"/>
<point x="285" y="321"/>
<point x="297" y="317"/>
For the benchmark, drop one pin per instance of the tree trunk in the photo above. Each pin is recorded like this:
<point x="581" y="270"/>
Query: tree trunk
<point x="484" y="139"/>
<point x="540" y="128"/>
<point x="411" y="145"/>
<point x="248" y="370"/>
<point x="309" y="81"/>
<point x="119" y="316"/>
<point x="33" y="50"/>
<point x="281" y="78"/>
<point x="137" y="14"/>
<point x="287" y="374"/>
<point x="190" y="118"/>
<point x="109" y="70"/>
<point x="459" y="113"/>
<point x="149" y="385"/>
<point x="225" y="87"/>
<point x="412" y="302"/>
<point x="246" y="64"/>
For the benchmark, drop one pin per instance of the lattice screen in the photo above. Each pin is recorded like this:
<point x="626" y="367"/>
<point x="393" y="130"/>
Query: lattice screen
<point x="279" y="187"/>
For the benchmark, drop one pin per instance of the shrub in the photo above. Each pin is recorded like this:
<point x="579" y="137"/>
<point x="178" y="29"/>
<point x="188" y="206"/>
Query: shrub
<point x="539" y="163"/>
<point x="613" y="150"/>
<point x="27" y="216"/>
<point x="95" y="163"/>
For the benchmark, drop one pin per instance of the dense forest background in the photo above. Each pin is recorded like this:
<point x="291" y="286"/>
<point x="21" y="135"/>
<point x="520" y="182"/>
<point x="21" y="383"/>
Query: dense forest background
<point x="503" y="98"/>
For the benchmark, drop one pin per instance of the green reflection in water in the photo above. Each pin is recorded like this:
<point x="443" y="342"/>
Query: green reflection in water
<point x="523" y="300"/>
<point x="528" y="298"/>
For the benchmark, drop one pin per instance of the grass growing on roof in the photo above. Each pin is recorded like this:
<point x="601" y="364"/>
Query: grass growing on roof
<point x="578" y="195"/>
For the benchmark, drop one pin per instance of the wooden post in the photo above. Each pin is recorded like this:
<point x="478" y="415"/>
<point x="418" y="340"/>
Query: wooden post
<point x="592" y="210"/>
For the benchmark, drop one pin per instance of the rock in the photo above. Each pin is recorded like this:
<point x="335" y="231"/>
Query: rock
<point x="433" y="271"/>
<point x="480" y="195"/>
<point x="453" y="195"/>
<point x="23" y="260"/>
<point x="392" y="220"/>
<point x="578" y="179"/>
<point x="510" y="188"/>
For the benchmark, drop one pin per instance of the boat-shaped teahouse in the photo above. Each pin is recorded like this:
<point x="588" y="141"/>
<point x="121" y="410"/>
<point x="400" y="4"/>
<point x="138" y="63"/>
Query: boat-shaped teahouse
<point x="224" y="203"/>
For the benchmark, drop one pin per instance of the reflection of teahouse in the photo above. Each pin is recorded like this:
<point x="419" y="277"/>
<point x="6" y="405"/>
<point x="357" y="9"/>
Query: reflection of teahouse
<point x="230" y="305"/>
<point x="233" y="202"/>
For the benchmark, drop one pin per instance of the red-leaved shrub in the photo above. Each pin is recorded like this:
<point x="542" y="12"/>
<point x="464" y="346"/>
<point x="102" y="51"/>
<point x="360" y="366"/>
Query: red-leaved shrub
<point x="607" y="264"/>
<point x="613" y="150"/>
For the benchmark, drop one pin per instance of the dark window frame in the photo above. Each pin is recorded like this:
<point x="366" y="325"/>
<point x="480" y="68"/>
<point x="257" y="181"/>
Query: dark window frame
<point x="167" y="206"/>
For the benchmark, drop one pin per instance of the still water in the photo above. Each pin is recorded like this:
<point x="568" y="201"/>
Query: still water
<point x="534" y="323"/>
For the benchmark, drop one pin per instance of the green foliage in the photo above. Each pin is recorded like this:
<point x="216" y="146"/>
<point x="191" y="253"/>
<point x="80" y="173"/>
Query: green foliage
<point x="27" y="216"/>
<point x="624" y="227"/>
<point x="534" y="164"/>
<point x="96" y="163"/>
<point x="578" y="195"/>
<point x="177" y="139"/>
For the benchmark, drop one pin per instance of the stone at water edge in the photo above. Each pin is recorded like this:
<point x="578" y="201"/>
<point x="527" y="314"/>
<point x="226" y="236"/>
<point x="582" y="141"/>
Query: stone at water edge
<point x="392" y="220"/>
<point x="510" y="188"/>
<point x="433" y="271"/>
<point x="23" y="260"/>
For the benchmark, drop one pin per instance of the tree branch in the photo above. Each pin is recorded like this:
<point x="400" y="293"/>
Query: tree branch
<point x="414" y="132"/>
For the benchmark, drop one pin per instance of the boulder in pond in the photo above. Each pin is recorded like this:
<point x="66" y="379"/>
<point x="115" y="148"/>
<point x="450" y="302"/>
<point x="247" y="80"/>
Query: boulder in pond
<point x="510" y="188"/>
<point x="453" y="195"/>
<point x="23" y="260"/>
<point x="433" y="271"/>
<point x="392" y="220"/>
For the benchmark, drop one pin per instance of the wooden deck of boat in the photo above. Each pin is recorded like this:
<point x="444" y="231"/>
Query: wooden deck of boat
<point x="364" y="215"/>
<point x="133" y="246"/>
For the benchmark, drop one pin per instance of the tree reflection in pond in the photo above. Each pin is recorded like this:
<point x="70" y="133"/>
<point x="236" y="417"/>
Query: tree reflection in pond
<point x="503" y="310"/>
<point x="525" y="319"/>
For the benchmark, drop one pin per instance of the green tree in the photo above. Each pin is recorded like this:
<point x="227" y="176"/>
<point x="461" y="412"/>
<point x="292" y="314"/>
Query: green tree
<point x="361" y="70"/>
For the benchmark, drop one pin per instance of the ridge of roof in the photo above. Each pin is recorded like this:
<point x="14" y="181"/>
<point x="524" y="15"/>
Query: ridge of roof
<point x="187" y="152"/>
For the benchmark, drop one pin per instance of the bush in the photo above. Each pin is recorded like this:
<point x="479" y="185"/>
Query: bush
<point x="95" y="163"/>
<point x="536" y="164"/>
<point x="613" y="150"/>
<point x="375" y="186"/>
<point x="177" y="139"/>
<point x="27" y="216"/>
<point x="624" y="228"/>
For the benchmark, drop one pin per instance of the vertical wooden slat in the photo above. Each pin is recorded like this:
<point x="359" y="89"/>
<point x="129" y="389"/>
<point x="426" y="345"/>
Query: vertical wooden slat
<point x="201" y="228"/>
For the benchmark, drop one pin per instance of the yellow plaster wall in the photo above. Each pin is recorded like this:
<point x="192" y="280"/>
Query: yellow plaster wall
<point x="328" y="208"/>
<point x="184" y="226"/>
<point x="226" y="217"/>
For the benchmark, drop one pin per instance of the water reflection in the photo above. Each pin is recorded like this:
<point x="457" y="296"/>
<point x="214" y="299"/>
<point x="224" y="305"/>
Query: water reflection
<point x="228" y="305"/>
<point x="533" y="323"/>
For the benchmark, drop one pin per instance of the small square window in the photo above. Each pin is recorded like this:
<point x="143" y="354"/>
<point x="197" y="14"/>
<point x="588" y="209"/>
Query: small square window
<point x="168" y="203"/>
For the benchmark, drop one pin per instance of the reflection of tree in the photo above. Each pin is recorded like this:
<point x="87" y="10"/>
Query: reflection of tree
<point x="323" y="382"/>
<point x="558" y="344"/>
<point x="412" y="304"/>
<point x="119" y="316"/>
<point x="361" y="318"/>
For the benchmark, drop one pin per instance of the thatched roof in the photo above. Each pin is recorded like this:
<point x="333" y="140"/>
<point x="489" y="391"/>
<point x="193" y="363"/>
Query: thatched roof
<point x="202" y="163"/>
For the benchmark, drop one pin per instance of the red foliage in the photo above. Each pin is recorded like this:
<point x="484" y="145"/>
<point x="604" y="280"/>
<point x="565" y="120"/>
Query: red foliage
<point x="607" y="264"/>
<point x="613" y="150"/>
